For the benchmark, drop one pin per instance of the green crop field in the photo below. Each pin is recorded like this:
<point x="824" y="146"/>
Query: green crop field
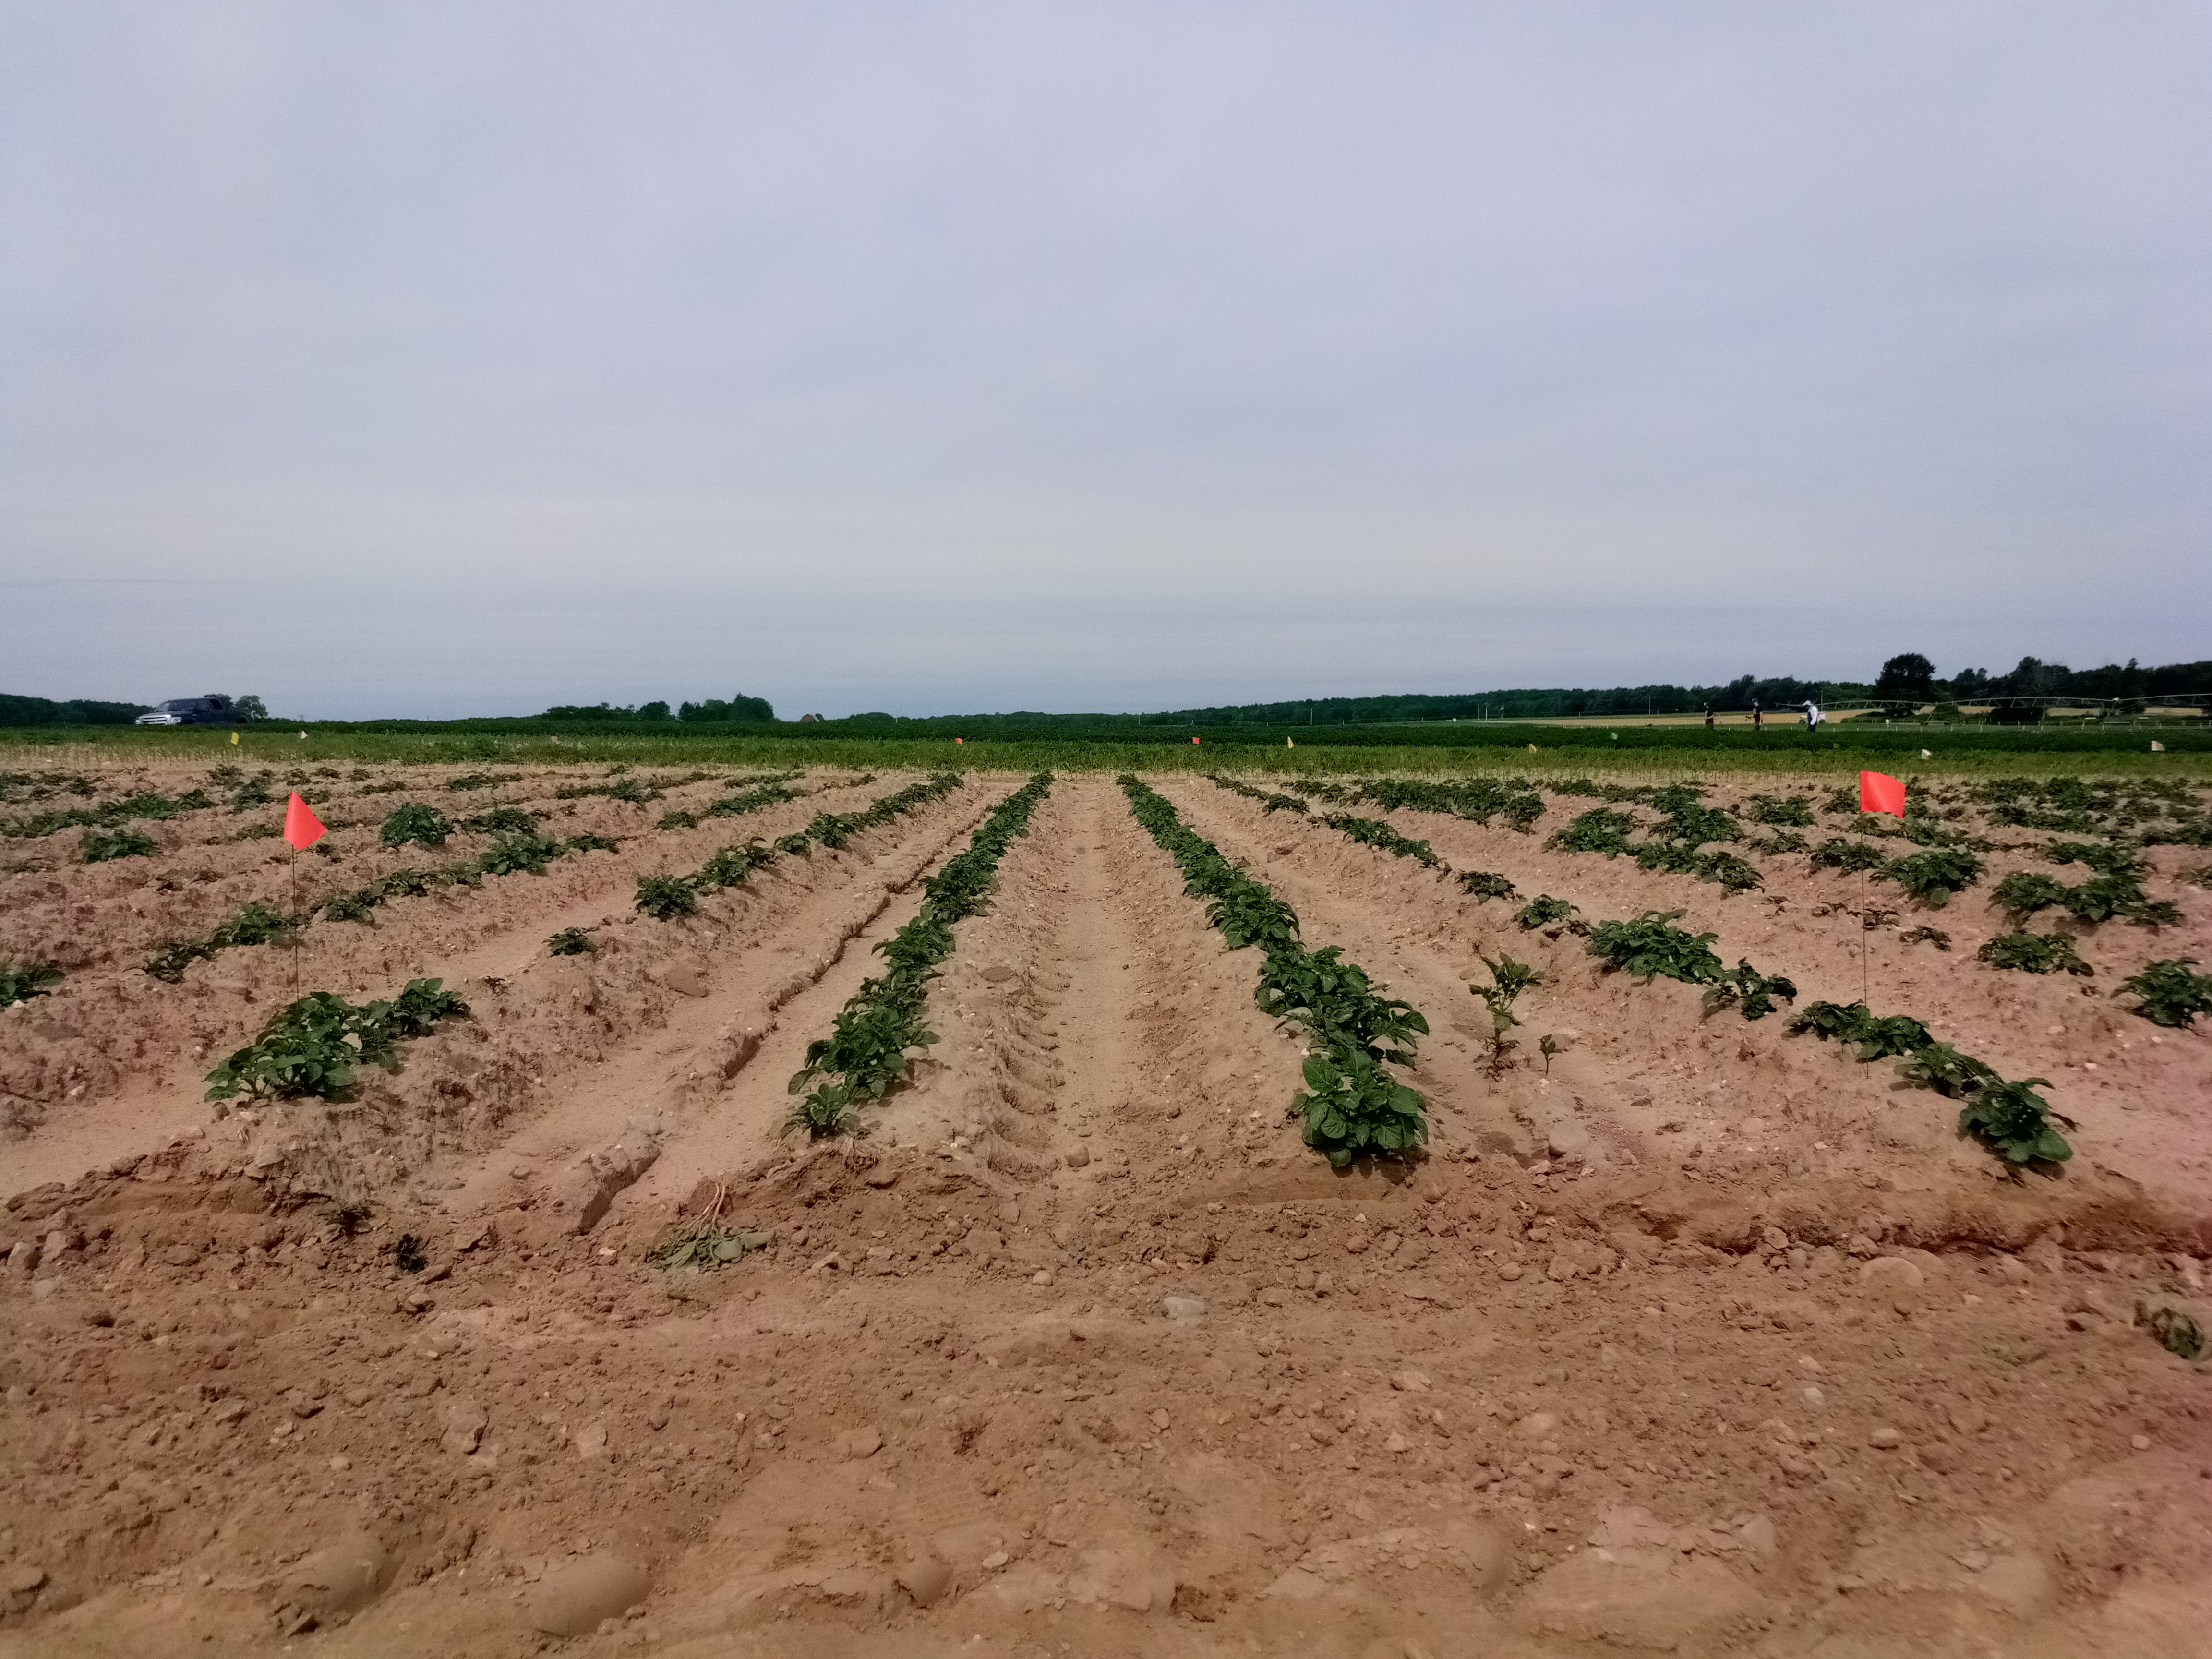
<point x="1003" y="744"/>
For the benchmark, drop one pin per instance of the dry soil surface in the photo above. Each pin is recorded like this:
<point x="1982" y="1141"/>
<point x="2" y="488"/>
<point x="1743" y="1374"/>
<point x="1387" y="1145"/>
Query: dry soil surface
<point x="1701" y="1338"/>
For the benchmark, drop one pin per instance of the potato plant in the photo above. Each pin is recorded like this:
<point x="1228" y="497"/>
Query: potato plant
<point x="1933" y="876"/>
<point x="315" y="1045"/>
<point x="20" y="981"/>
<point x="417" y="822"/>
<point x="2168" y="993"/>
<point x="252" y="923"/>
<point x="1544" y="911"/>
<point x="1351" y="1106"/>
<point x="865" y="1055"/>
<point x="100" y="846"/>
<point x="1485" y="886"/>
<point x="571" y="942"/>
<point x="1837" y="852"/>
<point x="2035" y="953"/>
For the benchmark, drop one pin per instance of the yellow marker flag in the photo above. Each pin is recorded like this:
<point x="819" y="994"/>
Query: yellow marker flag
<point x="1290" y="743"/>
<point x="234" y="736"/>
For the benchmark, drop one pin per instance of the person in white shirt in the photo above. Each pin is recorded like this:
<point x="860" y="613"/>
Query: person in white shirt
<point x="1812" y="716"/>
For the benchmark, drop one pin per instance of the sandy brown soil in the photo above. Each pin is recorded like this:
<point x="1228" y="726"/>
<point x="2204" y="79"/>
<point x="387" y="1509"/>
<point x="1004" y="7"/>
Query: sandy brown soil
<point x="1708" y="1341"/>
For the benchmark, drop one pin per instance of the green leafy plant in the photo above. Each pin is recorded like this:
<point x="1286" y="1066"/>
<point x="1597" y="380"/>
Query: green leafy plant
<point x="2015" y="1121"/>
<point x="482" y="780"/>
<point x="417" y="822"/>
<point x="500" y="821"/>
<point x="1869" y="1036"/>
<point x="2167" y="994"/>
<point x="1726" y="869"/>
<point x="1933" y="876"/>
<point x="408" y="1254"/>
<point x="2035" y="953"/>
<point x="1601" y="830"/>
<point x="1483" y="884"/>
<point x="1940" y="1067"/>
<point x="316" y="1044"/>
<point x="588" y="843"/>
<point x="702" y="1244"/>
<point x="2178" y="1331"/>
<point x="1782" y="809"/>
<point x="571" y="942"/>
<point x="1371" y="832"/>
<point x="1782" y="840"/>
<point x="664" y="897"/>
<point x="2024" y="892"/>
<point x="1351" y="1107"/>
<point x="679" y="820"/>
<point x="1509" y="978"/>
<point x="100" y="846"/>
<point x="20" y="981"/>
<point x="1544" y="911"/>
<point x="1477" y="799"/>
<point x="1650" y="944"/>
<point x="1754" y="993"/>
<point x="253" y="923"/>
<point x="513" y="854"/>
<point x="1837" y="852"/>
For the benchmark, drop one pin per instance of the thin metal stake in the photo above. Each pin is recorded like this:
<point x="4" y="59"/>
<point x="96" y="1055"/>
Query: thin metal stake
<point x="1865" y="926"/>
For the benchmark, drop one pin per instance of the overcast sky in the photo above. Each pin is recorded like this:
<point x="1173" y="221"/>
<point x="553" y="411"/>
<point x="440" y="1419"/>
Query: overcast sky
<point x="444" y="359"/>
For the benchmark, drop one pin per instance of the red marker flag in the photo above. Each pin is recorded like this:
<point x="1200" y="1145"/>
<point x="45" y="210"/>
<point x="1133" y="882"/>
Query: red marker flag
<point x="1880" y="793"/>
<point x="1193" y="740"/>
<point x="301" y="827"/>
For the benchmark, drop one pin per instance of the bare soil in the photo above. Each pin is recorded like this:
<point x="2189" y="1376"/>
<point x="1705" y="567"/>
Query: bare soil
<point x="1700" y="1338"/>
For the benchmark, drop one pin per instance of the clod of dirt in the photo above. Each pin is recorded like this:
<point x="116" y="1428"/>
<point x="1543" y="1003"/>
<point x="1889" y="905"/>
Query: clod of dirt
<point x="573" y="1597"/>
<point x="592" y="1186"/>
<point x="1183" y="1309"/>
<point x="1892" y="1278"/>
<point x="857" y="1444"/>
<point x="684" y="979"/>
<point x="332" y="1582"/>
<point x="465" y="1423"/>
<point x="925" y="1578"/>
<point x="1640" y="1598"/>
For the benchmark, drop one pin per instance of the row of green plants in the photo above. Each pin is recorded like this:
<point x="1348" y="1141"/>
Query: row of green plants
<point x="1477" y="799"/>
<point x="1352" y="1105"/>
<point x="666" y="896"/>
<point x="865" y="1055"/>
<point x="316" y="1045"/>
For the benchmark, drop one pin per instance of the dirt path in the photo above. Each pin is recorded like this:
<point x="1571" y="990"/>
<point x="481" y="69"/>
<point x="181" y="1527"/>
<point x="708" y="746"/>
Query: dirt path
<point x="1077" y="1353"/>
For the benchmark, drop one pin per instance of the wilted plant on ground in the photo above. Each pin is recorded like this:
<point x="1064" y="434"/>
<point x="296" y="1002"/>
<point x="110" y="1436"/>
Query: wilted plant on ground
<point x="19" y="980"/>
<point x="1483" y="884"/>
<point x="1753" y="992"/>
<point x="1934" y="936"/>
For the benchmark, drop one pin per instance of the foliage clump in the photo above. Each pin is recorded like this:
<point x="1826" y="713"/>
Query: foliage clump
<point x="418" y="822"/>
<point x="571" y="942"/>
<point x="1485" y="886"/>
<point x="2035" y="953"/>
<point x="2168" y="993"/>
<point x="252" y="923"/>
<point x="316" y="1044"/>
<point x="100" y="846"/>
<point x="20" y="981"/>
<point x="1601" y="830"/>
<point x="1933" y="876"/>
<point x="1545" y="911"/>
<point x="1840" y="853"/>
<point x="1650" y="944"/>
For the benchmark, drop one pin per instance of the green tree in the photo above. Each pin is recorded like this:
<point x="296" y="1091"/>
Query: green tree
<point x="250" y="709"/>
<point x="1908" y="678"/>
<point x="652" y="711"/>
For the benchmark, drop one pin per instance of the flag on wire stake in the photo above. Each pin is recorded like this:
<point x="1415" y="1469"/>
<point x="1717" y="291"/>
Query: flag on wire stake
<point x="1878" y="792"/>
<point x="302" y="828"/>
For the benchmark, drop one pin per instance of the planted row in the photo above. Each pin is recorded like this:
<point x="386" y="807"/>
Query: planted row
<point x="1352" y="1105"/>
<point x="865" y="1053"/>
<point x="664" y="896"/>
<point x="2009" y="1118"/>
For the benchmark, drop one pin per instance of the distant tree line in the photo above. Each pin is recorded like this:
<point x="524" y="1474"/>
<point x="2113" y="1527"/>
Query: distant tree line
<point x="712" y="710"/>
<point x="77" y="711"/>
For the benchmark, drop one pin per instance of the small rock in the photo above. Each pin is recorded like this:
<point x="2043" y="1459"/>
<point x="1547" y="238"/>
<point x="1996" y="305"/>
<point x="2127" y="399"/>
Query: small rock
<point x="1537" y="1426"/>
<point x="573" y="1597"/>
<point x="1967" y="1418"/>
<point x="1410" y="1382"/>
<point x="21" y="1579"/>
<point x="1078" y="1158"/>
<point x="1759" y="1537"/>
<point x="592" y="1441"/>
<point x="995" y="1560"/>
<point x="1813" y="1396"/>
<point x="1183" y="1309"/>
<point x="1885" y="1440"/>
<point x="465" y="1423"/>
<point x="303" y="1404"/>
<point x="23" y="1258"/>
<point x="2141" y="1442"/>
<point x="1160" y="1419"/>
<point x="925" y="1578"/>
<point x="1397" y="1442"/>
<point x="181" y="1256"/>
<point x="998" y="973"/>
<point x="1041" y="1276"/>
<point x="417" y="1302"/>
<point x="857" y="1444"/>
<point x="1510" y="1272"/>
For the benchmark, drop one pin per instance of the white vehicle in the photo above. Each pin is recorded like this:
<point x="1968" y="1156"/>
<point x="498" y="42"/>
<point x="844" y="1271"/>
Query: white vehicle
<point x="210" y="710"/>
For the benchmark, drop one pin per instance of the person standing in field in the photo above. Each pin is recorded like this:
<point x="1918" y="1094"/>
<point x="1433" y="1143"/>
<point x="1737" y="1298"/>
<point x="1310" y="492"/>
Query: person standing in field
<point x="1811" y="716"/>
<point x="1708" y="713"/>
<point x="1758" y="718"/>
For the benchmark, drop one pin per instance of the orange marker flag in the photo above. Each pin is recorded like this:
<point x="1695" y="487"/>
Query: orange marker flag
<point x="301" y="827"/>
<point x="1194" y="741"/>
<point x="1880" y="793"/>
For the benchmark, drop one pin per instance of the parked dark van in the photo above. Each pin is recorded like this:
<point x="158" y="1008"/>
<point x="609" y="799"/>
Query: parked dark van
<point x="190" y="711"/>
